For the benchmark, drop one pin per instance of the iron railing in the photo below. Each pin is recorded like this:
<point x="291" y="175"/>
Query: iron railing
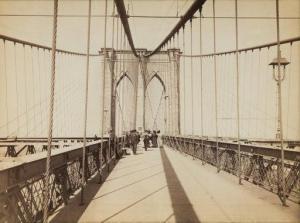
<point x="22" y="181"/>
<point x="260" y="165"/>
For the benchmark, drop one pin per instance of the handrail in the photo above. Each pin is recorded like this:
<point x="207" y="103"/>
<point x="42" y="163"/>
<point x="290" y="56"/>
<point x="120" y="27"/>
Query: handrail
<point x="259" y="47"/>
<point x="33" y="165"/>
<point x="31" y="44"/>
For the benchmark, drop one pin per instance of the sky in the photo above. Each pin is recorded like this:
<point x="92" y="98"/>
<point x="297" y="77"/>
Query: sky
<point x="258" y="90"/>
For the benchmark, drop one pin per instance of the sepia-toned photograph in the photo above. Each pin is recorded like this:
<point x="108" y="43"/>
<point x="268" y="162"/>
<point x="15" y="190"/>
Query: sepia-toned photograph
<point x="150" y="111"/>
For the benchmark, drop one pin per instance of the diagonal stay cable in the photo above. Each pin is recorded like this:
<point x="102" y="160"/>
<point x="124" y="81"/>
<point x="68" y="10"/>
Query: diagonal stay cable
<point x="155" y="118"/>
<point x="150" y="104"/>
<point x="121" y="110"/>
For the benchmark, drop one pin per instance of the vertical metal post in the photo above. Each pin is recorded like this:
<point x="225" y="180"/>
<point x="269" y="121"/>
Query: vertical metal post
<point x="280" y="106"/>
<point x="237" y="92"/>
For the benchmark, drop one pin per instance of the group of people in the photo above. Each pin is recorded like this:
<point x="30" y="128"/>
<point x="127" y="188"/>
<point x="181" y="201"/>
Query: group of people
<point x="150" y="139"/>
<point x="133" y="138"/>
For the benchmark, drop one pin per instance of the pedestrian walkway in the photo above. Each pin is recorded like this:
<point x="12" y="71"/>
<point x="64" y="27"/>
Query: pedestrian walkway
<point x="161" y="185"/>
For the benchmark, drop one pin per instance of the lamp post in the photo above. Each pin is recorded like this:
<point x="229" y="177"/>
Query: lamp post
<point x="279" y="64"/>
<point x="279" y="72"/>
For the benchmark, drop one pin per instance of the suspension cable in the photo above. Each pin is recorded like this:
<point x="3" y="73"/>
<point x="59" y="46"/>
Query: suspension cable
<point x="124" y="19"/>
<point x="86" y="104"/>
<point x="23" y="42"/>
<point x="51" y="108"/>
<point x="186" y="17"/>
<point x="258" y="47"/>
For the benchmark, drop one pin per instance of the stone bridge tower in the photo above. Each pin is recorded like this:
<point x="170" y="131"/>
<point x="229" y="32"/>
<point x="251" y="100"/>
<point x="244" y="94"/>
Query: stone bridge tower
<point x="121" y="64"/>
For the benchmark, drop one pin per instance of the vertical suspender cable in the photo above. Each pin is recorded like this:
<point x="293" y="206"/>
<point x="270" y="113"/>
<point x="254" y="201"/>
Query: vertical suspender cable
<point x="176" y="7"/>
<point x="33" y="93"/>
<point x="177" y="40"/>
<point x="237" y="91"/>
<point x="280" y="106"/>
<point x="113" y="26"/>
<point x="201" y="87"/>
<point x="216" y="91"/>
<point x="166" y="98"/>
<point x="171" y="89"/>
<point x="40" y="95"/>
<point x="192" y="76"/>
<point x="17" y="90"/>
<point x="86" y="104"/>
<point x="6" y="90"/>
<point x="25" y="83"/>
<point x="112" y="80"/>
<point x="51" y="107"/>
<point x="184" y="98"/>
<point x="103" y="85"/>
<point x="43" y="87"/>
<point x="117" y="73"/>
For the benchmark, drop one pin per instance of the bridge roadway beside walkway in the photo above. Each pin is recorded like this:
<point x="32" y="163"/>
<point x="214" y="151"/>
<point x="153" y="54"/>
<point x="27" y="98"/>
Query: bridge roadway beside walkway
<point x="162" y="185"/>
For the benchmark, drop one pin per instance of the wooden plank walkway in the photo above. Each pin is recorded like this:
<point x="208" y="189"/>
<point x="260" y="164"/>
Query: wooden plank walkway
<point x="162" y="185"/>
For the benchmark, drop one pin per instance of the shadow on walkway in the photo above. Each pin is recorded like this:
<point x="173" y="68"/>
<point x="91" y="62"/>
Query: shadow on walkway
<point x="128" y="185"/>
<point x="133" y="204"/>
<point x="182" y="207"/>
<point x="133" y="172"/>
<point x="90" y="191"/>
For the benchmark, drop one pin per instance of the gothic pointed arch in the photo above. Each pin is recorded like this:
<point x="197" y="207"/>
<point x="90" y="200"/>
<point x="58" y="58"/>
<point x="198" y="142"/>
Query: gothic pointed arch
<point x="155" y="75"/>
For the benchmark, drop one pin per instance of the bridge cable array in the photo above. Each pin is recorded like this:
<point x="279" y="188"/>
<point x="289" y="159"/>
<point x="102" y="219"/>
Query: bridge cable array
<point x="196" y="5"/>
<point x="245" y="63"/>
